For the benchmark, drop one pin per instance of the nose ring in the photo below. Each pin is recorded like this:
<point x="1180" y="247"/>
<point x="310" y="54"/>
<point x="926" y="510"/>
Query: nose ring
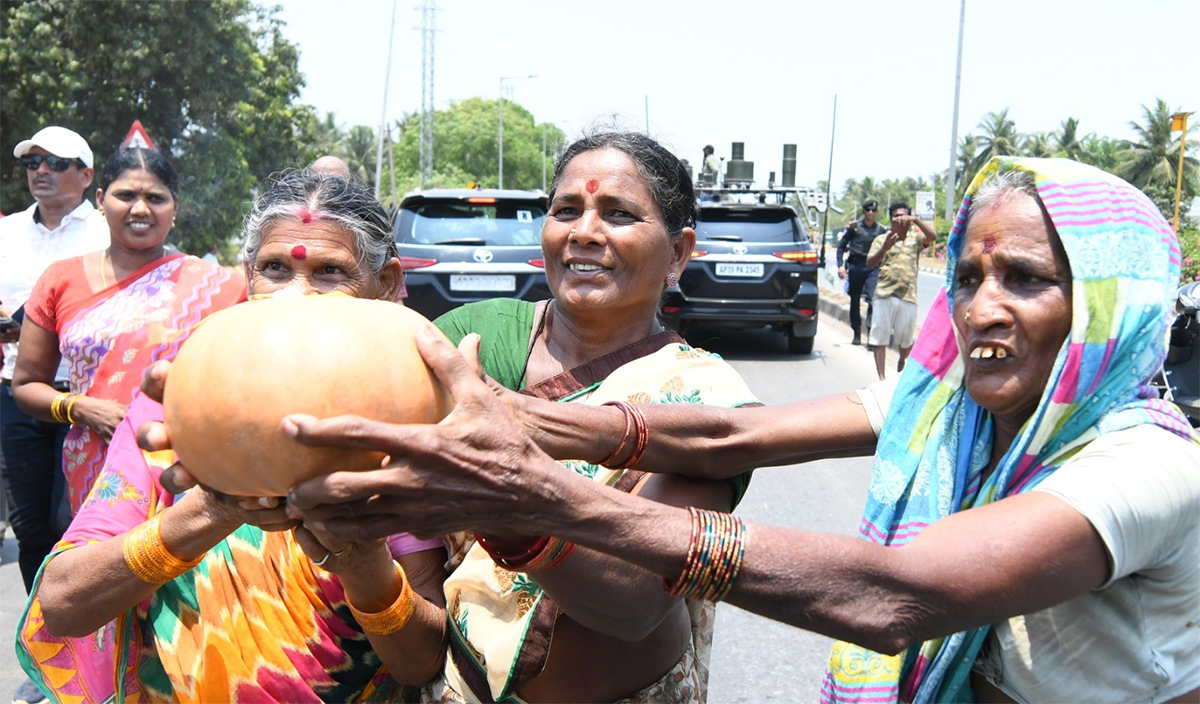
<point x="572" y="233"/>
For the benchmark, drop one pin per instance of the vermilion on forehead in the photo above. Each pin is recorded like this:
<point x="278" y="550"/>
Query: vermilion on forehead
<point x="299" y="252"/>
<point x="988" y="245"/>
<point x="592" y="185"/>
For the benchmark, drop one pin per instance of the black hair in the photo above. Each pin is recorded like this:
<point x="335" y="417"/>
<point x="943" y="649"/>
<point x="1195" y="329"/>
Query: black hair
<point x="669" y="182"/>
<point x="135" y="158"/>
<point x="896" y="206"/>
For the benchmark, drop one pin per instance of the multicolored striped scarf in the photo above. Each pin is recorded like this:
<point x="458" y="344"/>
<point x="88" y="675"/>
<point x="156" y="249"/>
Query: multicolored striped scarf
<point x="1125" y="262"/>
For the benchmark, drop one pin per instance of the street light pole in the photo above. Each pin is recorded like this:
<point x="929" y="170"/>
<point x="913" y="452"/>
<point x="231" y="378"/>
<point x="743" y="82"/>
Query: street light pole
<point x="1179" y="122"/>
<point x="500" y="138"/>
<point x="950" y="184"/>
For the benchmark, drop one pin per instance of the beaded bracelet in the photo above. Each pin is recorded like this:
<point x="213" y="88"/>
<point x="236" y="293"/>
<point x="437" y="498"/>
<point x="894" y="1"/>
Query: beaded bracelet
<point x="148" y="557"/>
<point x="394" y="617"/>
<point x="714" y="556"/>
<point x="545" y="553"/>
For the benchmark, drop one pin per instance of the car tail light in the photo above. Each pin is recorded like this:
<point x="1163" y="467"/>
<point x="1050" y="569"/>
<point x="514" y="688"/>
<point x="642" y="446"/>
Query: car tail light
<point x="670" y="309"/>
<point x="416" y="263"/>
<point x="481" y="199"/>
<point x="698" y="253"/>
<point x="539" y="263"/>
<point x="805" y="311"/>
<point x="804" y="257"/>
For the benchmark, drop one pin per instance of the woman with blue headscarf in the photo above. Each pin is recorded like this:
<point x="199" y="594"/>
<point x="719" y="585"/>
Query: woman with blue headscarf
<point x="1032" y="531"/>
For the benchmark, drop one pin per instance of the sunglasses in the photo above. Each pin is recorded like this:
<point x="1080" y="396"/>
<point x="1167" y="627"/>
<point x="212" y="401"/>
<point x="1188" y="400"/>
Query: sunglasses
<point x="867" y="210"/>
<point x="33" y="162"/>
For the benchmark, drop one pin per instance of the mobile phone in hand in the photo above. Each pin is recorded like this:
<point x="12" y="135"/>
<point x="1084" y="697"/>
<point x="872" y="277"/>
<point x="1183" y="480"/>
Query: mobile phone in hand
<point x="7" y="324"/>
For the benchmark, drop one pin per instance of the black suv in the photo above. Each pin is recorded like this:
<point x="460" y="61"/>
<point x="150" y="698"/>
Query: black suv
<point x="462" y="245"/>
<point x="753" y="266"/>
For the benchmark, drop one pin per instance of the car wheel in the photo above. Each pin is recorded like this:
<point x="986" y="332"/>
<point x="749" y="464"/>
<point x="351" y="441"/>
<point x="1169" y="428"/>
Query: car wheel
<point x="799" y="345"/>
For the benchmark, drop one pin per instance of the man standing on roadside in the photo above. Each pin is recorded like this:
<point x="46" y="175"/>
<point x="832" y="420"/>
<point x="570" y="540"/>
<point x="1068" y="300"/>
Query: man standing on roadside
<point x="710" y="168"/>
<point x="852" y="264"/>
<point x="896" y="255"/>
<point x="59" y="224"/>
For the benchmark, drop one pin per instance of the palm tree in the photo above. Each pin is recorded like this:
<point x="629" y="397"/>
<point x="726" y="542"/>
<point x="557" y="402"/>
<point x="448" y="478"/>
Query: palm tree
<point x="968" y="151"/>
<point x="360" y="152"/>
<point x="1152" y="160"/>
<point x="1000" y="137"/>
<point x="1038" y="144"/>
<point x="1067" y="140"/>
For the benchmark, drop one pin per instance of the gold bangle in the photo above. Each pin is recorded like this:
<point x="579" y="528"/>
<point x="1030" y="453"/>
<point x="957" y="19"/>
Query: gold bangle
<point x="148" y="557"/>
<point x="56" y="408"/>
<point x="70" y="405"/>
<point x="394" y="617"/>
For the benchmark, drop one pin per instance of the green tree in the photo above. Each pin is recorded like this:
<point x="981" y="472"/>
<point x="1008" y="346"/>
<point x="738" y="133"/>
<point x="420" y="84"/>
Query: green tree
<point x="1101" y="152"/>
<point x="214" y="83"/>
<point x="1066" y="140"/>
<point x="1151" y="162"/>
<point x="465" y="146"/>
<point x="968" y="152"/>
<point x="999" y="138"/>
<point x="1038" y="144"/>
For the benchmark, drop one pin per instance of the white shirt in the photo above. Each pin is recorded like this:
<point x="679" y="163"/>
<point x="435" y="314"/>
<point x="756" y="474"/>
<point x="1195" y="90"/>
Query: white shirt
<point x="1135" y="638"/>
<point x="28" y="247"/>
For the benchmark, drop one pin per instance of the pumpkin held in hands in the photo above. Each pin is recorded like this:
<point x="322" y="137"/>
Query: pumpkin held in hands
<point x="248" y="366"/>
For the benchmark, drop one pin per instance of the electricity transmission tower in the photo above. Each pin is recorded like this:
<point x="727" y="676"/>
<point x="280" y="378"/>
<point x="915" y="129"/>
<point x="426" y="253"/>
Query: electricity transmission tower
<point x="428" y="12"/>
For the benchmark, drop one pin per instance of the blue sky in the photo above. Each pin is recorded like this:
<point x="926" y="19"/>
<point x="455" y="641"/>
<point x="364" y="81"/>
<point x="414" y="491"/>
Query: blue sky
<point x="765" y="73"/>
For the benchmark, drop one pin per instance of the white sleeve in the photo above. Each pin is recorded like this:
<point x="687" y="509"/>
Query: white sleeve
<point x="1140" y="489"/>
<point x="876" y="399"/>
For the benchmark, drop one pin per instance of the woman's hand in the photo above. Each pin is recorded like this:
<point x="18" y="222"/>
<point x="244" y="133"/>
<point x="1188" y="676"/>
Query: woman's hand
<point x="474" y="470"/>
<point x="101" y="416"/>
<point x="339" y="556"/>
<point x="266" y="512"/>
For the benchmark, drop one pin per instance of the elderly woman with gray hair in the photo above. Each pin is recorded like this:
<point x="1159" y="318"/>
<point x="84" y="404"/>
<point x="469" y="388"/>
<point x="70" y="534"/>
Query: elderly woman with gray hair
<point x="205" y="597"/>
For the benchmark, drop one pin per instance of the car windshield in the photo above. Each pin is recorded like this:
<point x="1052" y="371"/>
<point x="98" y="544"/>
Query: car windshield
<point x="459" y="222"/>
<point x="768" y="225"/>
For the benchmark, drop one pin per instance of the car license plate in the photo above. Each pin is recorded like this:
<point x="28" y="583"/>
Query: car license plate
<point x="736" y="269"/>
<point x="483" y="282"/>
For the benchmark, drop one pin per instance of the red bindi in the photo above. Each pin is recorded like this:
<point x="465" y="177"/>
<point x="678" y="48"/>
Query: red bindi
<point x="593" y="186"/>
<point x="989" y="244"/>
<point x="299" y="252"/>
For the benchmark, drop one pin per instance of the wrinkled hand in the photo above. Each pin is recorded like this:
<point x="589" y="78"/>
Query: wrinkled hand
<point x="267" y="512"/>
<point x="101" y="416"/>
<point x="336" y="555"/>
<point x="474" y="470"/>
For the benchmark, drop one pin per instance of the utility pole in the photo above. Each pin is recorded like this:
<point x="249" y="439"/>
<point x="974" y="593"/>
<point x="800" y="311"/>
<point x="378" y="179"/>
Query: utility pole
<point x="950" y="179"/>
<point x="500" y="138"/>
<point x="428" y="20"/>
<point x="828" y="178"/>
<point x="387" y="78"/>
<point x="1179" y="122"/>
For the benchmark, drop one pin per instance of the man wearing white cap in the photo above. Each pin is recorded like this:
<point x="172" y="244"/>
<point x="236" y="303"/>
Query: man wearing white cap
<point x="61" y="223"/>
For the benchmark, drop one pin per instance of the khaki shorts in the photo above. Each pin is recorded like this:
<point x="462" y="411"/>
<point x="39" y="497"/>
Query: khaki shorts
<point x="893" y="316"/>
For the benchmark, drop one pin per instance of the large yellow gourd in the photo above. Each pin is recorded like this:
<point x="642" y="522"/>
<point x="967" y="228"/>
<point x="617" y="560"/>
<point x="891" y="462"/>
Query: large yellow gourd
<point x="245" y="368"/>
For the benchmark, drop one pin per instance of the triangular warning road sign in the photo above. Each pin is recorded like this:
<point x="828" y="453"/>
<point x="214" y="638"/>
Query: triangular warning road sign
<point x="137" y="137"/>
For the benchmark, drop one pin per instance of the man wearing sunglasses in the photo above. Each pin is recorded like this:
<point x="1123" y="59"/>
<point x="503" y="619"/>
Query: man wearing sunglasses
<point x="61" y="223"/>
<point x="852" y="253"/>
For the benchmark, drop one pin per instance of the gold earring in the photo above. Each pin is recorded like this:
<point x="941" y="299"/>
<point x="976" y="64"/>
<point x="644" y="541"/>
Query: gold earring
<point x="967" y="317"/>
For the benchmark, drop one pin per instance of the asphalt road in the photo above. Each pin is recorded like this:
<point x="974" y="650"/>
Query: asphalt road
<point x="754" y="659"/>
